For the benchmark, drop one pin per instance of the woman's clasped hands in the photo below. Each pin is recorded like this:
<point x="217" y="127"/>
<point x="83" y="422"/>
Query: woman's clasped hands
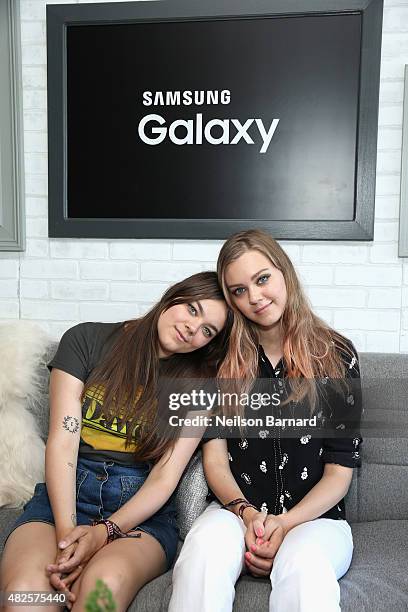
<point x="74" y="551"/>
<point x="264" y="535"/>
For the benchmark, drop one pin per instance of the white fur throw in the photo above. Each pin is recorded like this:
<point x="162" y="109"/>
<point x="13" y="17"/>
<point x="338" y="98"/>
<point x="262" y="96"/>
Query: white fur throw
<point x="22" y="346"/>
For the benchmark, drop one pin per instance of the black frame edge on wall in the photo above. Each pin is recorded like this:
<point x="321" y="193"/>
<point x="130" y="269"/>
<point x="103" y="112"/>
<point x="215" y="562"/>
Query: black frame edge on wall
<point x="60" y="225"/>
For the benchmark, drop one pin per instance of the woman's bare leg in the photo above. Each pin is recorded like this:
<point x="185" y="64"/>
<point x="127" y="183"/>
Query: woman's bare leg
<point x="125" y="565"/>
<point x="29" y="549"/>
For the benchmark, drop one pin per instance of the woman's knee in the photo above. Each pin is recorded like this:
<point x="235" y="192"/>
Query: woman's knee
<point x="31" y="581"/>
<point x="113" y="577"/>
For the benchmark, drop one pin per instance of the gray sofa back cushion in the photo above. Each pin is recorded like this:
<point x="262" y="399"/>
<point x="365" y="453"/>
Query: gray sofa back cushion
<point x="379" y="490"/>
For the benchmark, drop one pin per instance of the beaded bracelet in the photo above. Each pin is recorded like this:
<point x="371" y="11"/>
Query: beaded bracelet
<point x="114" y="531"/>
<point x="242" y="507"/>
<point x="234" y="502"/>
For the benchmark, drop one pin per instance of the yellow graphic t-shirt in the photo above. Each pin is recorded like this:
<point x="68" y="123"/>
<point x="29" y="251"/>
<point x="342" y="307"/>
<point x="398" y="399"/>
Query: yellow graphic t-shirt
<point x="80" y="351"/>
<point x="96" y="431"/>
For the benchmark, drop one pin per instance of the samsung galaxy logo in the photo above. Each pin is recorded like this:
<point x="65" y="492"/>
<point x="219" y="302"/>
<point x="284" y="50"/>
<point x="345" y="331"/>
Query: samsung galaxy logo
<point x="153" y="131"/>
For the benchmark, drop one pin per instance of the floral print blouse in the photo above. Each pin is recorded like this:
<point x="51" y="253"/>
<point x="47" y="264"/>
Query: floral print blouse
<point x="275" y="471"/>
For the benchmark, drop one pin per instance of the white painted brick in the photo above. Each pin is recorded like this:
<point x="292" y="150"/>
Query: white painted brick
<point x="389" y="162"/>
<point x="111" y="312"/>
<point x="390" y="115"/>
<point x="404" y="343"/>
<point x="325" y="314"/>
<point x="56" y="329"/>
<point x="339" y="253"/>
<point x="8" y="289"/>
<point x="35" y="99"/>
<point x="405" y="266"/>
<point x="367" y="319"/>
<point x="391" y="92"/>
<point x="382" y="342"/>
<point x="171" y="272"/>
<point x="35" y="142"/>
<point x="333" y="297"/>
<point x="42" y="309"/>
<point x="35" y="120"/>
<point x="386" y="207"/>
<point x="394" y="45"/>
<point x="109" y="270"/>
<point x="8" y="267"/>
<point x="140" y="249"/>
<point x="392" y="68"/>
<point x="36" y="163"/>
<point x="384" y="298"/>
<point x="144" y="307"/>
<point x="384" y="253"/>
<point x="395" y="19"/>
<point x="32" y="10"/>
<point x="79" y="290"/>
<point x="405" y="319"/>
<point x="315" y="275"/>
<point x="49" y="268"/>
<point x="9" y="309"/>
<point x="388" y="185"/>
<point x="37" y="227"/>
<point x="36" y="207"/>
<point x="405" y="297"/>
<point x="292" y="251"/>
<point x="34" y="54"/>
<point x="386" y="232"/>
<point x="36" y="184"/>
<point x="34" y="77"/>
<point x="209" y="266"/>
<point x="33" y="32"/>
<point x="388" y="3"/>
<point x="368" y="276"/>
<point x="389" y="138"/>
<point x="37" y="247"/>
<point x="34" y="289"/>
<point x="358" y="338"/>
<point x="137" y="292"/>
<point x="196" y="251"/>
<point x="79" y="249"/>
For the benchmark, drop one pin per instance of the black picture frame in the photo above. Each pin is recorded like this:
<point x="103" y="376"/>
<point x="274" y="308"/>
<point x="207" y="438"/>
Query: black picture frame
<point x="60" y="17"/>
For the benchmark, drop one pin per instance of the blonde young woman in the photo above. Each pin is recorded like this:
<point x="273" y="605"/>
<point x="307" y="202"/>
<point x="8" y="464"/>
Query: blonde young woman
<point x="284" y="514"/>
<point x="106" y="510"/>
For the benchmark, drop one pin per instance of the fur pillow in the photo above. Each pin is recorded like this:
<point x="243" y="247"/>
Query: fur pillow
<point x="22" y="347"/>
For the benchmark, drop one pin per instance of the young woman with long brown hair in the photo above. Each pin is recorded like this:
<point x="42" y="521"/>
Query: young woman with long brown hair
<point x="282" y="492"/>
<point x="109" y="459"/>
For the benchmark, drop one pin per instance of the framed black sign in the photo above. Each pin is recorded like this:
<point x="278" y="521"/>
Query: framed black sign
<point x="187" y="119"/>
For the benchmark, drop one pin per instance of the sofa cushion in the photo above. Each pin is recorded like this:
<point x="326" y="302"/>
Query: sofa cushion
<point x="376" y="580"/>
<point x="191" y="497"/>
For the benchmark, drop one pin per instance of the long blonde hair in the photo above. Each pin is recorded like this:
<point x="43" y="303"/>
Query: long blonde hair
<point x="311" y="349"/>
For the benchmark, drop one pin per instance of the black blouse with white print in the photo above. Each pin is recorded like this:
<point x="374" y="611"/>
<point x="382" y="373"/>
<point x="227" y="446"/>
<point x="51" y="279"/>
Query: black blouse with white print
<point x="275" y="472"/>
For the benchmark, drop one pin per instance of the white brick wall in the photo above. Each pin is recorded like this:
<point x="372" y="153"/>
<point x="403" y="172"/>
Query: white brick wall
<point x="360" y="288"/>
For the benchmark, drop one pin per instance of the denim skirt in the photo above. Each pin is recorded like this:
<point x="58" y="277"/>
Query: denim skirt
<point x="102" y="487"/>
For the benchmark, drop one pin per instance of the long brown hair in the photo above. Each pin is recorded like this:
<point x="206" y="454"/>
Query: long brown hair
<point x="311" y="349"/>
<point x="129" y="371"/>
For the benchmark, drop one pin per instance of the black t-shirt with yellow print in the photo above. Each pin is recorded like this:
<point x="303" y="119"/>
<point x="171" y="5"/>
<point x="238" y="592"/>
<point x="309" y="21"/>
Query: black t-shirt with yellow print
<point x="79" y="352"/>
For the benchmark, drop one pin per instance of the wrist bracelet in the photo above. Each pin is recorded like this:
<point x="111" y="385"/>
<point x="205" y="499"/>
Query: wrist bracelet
<point x="242" y="507"/>
<point x="114" y="531"/>
<point x="234" y="502"/>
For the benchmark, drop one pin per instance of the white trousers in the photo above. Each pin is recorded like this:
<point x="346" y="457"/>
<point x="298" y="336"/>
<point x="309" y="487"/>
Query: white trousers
<point x="307" y="566"/>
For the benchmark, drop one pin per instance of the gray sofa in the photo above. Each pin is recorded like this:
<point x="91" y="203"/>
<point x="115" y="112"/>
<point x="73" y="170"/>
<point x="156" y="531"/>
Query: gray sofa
<point x="377" y="503"/>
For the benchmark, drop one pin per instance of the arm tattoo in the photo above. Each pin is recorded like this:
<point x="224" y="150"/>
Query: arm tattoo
<point x="71" y="424"/>
<point x="71" y="464"/>
<point x="74" y="519"/>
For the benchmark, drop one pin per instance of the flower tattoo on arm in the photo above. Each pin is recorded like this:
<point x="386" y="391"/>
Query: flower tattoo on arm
<point x="71" y="424"/>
